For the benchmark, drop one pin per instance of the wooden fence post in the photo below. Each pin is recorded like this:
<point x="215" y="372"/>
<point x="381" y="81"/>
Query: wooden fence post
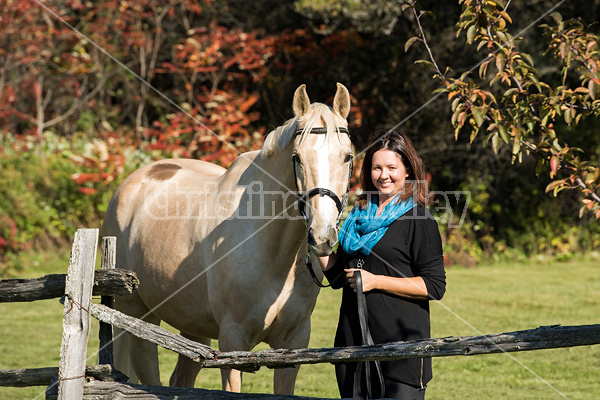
<point x="76" y="320"/>
<point x="108" y="261"/>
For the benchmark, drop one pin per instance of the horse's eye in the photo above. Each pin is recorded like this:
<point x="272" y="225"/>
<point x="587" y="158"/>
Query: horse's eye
<point x="348" y="158"/>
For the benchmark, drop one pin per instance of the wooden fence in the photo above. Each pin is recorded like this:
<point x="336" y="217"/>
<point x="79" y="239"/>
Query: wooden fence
<point x="74" y="380"/>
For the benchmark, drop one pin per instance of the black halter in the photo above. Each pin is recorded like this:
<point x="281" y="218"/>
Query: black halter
<point x="302" y="198"/>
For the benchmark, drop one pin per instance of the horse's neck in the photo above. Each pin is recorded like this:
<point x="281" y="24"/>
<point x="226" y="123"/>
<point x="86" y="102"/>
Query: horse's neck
<point x="271" y="181"/>
<point x="273" y="173"/>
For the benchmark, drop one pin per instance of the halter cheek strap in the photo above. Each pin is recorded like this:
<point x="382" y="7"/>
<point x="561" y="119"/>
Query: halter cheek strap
<point x="302" y="198"/>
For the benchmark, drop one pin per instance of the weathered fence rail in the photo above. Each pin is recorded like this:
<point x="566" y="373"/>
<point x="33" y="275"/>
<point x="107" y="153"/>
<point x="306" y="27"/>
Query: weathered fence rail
<point x="545" y="337"/>
<point x="116" y="282"/>
<point x="153" y="333"/>
<point x="43" y="376"/>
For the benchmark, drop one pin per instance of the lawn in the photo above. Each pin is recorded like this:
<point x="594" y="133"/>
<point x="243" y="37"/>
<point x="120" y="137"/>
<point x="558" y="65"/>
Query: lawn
<point x="487" y="299"/>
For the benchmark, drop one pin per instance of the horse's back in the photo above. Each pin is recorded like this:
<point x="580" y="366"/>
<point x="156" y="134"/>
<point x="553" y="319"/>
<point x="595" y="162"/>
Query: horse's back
<point x="129" y="198"/>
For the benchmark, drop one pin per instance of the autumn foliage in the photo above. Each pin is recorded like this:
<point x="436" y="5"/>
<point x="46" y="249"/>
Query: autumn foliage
<point x="125" y="83"/>
<point x="90" y="91"/>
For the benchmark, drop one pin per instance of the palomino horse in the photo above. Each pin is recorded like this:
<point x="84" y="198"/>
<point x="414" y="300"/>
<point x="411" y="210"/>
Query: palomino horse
<point x="215" y="250"/>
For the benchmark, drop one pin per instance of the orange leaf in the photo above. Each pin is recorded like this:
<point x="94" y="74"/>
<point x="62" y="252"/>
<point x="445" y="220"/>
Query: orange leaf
<point x="554" y="184"/>
<point x="88" y="191"/>
<point x="554" y="164"/>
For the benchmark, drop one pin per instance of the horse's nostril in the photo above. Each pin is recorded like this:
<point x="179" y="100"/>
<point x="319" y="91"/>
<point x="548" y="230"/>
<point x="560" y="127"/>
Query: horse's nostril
<point x="332" y="242"/>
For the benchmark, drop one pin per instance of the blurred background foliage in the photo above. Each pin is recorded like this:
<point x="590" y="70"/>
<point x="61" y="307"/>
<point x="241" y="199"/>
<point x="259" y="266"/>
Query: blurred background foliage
<point x="74" y="122"/>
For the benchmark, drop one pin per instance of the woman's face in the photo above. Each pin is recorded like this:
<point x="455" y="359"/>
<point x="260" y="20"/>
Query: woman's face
<point x="387" y="173"/>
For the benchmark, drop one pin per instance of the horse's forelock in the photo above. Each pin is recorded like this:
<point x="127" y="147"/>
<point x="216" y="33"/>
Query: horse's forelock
<point x="318" y="114"/>
<point x="322" y="114"/>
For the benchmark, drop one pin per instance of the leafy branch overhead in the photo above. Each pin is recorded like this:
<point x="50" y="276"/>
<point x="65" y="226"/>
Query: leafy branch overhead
<point x="511" y="105"/>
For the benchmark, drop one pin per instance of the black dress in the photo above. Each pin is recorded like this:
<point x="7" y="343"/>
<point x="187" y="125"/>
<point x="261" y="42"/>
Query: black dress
<point x="410" y="247"/>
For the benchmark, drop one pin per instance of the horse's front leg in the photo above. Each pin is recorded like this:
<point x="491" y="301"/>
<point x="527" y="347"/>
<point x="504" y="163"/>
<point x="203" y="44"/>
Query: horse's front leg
<point x="187" y="370"/>
<point x="233" y="337"/>
<point x="231" y="380"/>
<point x="142" y="356"/>
<point x="284" y="379"/>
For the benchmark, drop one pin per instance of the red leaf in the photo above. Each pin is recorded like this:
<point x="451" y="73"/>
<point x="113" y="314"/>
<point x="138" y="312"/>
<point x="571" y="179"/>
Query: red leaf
<point x="554" y="164"/>
<point x="81" y="178"/>
<point x="88" y="191"/>
<point x="37" y="90"/>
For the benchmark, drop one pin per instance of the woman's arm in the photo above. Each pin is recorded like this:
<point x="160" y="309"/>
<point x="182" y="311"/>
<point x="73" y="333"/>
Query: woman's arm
<point x="328" y="261"/>
<point x="413" y="288"/>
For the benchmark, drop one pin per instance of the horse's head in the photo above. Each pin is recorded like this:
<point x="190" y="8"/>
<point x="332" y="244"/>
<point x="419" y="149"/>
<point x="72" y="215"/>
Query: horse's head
<point x="322" y="162"/>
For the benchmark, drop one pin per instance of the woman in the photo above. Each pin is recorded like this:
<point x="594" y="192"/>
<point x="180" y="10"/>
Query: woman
<point x="391" y="236"/>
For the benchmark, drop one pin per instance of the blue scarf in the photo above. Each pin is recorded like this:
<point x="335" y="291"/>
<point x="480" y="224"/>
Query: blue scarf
<point x="363" y="228"/>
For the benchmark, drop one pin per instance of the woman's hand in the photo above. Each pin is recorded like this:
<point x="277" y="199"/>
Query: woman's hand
<point x="413" y="288"/>
<point x="369" y="280"/>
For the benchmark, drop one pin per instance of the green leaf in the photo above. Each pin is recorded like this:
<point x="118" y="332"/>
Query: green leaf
<point x="428" y="63"/>
<point x="536" y="82"/>
<point x="568" y="117"/>
<point x="503" y="133"/>
<point x="479" y="116"/>
<point x="409" y="43"/>
<point x="500" y="61"/>
<point x="495" y="142"/>
<point x="455" y="103"/>
<point x="471" y="33"/>
<point x="557" y="17"/>
<point x="454" y="117"/>
<point x="516" y="147"/>
<point x="502" y="37"/>
<point x="474" y="133"/>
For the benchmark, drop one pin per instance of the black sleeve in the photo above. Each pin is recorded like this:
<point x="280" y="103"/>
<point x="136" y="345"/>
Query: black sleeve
<point x="428" y="259"/>
<point x="335" y="274"/>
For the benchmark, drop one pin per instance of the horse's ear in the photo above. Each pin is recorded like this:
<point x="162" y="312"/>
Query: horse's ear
<point x="341" y="101"/>
<point x="301" y="101"/>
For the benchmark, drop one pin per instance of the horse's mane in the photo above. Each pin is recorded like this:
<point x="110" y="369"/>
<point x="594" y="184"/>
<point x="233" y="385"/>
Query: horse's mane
<point x="283" y="135"/>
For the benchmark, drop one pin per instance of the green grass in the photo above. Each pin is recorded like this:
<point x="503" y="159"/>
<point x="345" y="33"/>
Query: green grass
<point x="487" y="299"/>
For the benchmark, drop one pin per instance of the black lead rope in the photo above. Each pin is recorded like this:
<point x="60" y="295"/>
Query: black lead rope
<point x="366" y="340"/>
<point x="314" y="277"/>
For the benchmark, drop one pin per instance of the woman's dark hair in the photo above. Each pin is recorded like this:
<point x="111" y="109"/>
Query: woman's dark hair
<point x="398" y="142"/>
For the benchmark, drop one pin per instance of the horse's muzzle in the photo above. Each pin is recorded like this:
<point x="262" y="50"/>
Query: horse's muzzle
<point x="322" y="242"/>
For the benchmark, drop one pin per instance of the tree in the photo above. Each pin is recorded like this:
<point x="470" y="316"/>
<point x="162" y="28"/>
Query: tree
<point x="525" y="111"/>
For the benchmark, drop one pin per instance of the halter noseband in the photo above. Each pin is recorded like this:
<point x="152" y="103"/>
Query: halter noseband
<point x="302" y="198"/>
